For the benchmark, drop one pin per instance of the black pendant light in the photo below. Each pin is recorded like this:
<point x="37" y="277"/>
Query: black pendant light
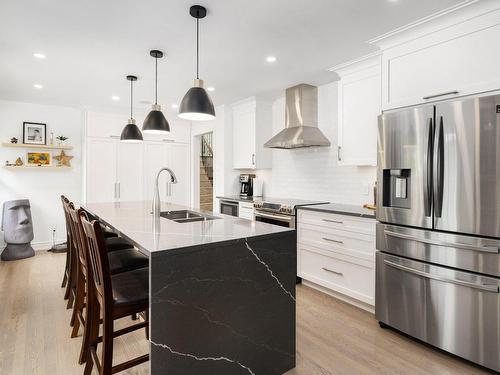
<point x="196" y="104"/>
<point x="131" y="132"/>
<point x="155" y="122"/>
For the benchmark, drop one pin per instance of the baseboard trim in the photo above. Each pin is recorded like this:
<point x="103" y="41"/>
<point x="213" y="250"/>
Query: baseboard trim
<point x="340" y="296"/>
<point x="45" y="245"/>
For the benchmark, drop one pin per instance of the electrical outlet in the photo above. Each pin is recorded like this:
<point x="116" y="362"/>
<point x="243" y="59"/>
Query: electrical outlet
<point x="365" y="189"/>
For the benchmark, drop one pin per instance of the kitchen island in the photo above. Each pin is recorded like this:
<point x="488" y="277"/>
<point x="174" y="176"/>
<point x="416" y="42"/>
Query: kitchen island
<point x="222" y="289"/>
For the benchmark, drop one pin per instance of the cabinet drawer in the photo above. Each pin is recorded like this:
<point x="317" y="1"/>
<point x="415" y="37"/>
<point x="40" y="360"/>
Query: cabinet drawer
<point x="246" y="213"/>
<point x="339" y="274"/>
<point x="246" y="205"/>
<point x="350" y="243"/>
<point x="336" y="221"/>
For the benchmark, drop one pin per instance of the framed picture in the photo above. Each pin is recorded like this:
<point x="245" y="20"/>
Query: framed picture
<point x="43" y="159"/>
<point x="34" y="133"/>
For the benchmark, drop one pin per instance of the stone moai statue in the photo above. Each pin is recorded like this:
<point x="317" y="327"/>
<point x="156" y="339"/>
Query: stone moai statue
<point x="18" y="230"/>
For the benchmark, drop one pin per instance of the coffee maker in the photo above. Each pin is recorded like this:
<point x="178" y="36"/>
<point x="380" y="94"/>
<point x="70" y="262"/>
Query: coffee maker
<point x="246" y="185"/>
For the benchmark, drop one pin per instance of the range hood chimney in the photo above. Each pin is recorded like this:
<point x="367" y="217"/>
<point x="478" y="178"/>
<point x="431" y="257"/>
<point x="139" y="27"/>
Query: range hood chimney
<point x="301" y="120"/>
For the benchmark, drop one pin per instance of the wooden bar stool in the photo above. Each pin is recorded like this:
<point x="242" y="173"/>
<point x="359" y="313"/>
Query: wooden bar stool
<point x="113" y="297"/>
<point x="119" y="261"/>
<point x="113" y="243"/>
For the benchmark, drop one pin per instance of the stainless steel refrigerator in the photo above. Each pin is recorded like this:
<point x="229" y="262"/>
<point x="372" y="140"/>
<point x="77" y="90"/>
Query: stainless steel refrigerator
<point x="438" y="235"/>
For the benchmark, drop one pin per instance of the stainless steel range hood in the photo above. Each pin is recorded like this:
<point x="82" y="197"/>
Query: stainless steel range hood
<point x="301" y="120"/>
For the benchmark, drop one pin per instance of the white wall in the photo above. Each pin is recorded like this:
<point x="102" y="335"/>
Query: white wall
<point x="42" y="187"/>
<point x="313" y="173"/>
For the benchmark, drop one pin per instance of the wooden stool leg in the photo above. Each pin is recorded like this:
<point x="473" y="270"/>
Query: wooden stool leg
<point x="68" y="278"/>
<point x="84" y="351"/>
<point x="107" y="343"/>
<point x="93" y="324"/>
<point x="79" y="303"/>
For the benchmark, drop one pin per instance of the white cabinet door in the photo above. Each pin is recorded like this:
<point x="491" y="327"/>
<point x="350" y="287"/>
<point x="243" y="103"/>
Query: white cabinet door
<point x="179" y="162"/>
<point x="244" y="138"/>
<point x="452" y="62"/>
<point x="101" y="170"/>
<point x="104" y="125"/>
<point x="155" y="158"/>
<point x="359" y="102"/>
<point x="129" y="171"/>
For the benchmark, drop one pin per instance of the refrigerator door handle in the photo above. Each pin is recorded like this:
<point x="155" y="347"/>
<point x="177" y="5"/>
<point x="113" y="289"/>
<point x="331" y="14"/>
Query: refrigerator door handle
<point x="458" y="245"/>
<point x="428" y="171"/>
<point x="438" y="169"/>
<point x="483" y="287"/>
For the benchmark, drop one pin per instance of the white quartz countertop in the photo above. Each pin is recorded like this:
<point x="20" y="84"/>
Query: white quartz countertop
<point x="134" y="221"/>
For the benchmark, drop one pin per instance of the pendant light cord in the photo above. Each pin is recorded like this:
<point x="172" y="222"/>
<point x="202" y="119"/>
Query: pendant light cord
<point x="156" y="79"/>
<point x="131" y="99"/>
<point x="197" y="47"/>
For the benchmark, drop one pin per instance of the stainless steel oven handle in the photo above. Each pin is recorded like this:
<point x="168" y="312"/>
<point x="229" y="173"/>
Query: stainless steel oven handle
<point x="486" y="288"/>
<point x="229" y="203"/>
<point x="276" y="217"/>
<point x="458" y="245"/>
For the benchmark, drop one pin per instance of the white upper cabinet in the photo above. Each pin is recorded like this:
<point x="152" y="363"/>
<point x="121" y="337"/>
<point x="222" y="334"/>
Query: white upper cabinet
<point x="252" y="127"/>
<point x="129" y="171"/>
<point x="359" y="104"/>
<point x="445" y="57"/>
<point x="100" y="166"/>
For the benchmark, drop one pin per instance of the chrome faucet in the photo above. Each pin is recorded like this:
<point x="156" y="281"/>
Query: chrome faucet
<point x="156" y="193"/>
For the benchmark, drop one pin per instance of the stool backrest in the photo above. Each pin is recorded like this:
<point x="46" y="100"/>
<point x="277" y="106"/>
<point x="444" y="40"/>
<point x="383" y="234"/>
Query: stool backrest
<point x="98" y="263"/>
<point x="65" y="203"/>
<point x="79" y="236"/>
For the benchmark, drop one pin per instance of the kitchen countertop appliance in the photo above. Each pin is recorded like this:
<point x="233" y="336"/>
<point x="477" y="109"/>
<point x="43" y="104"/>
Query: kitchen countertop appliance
<point x="438" y="235"/>
<point x="279" y="211"/>
<point x="246" y="185"/>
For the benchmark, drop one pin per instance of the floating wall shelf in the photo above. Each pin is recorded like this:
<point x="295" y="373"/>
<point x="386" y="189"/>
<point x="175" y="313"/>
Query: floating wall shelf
<point x="43" y="147"/>
<point x="24" y="167"/>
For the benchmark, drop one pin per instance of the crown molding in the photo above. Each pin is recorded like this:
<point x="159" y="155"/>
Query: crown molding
<point x="363" y="62"/>
<point x="443" y="19"/>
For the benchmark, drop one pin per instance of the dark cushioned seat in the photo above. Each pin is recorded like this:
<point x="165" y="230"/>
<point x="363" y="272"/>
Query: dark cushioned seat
<point x="117" y="243"/>
<point x="107" y="232"/>
<point x="126" y="260"/>
<point x="131" y="288"/>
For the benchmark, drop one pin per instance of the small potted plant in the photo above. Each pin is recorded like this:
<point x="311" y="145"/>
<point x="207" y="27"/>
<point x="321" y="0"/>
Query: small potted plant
<point x="62" y="140"/>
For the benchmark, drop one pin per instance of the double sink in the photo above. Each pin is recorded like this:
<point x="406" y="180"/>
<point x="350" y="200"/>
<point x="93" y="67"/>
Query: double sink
<point x="186" y="216"/>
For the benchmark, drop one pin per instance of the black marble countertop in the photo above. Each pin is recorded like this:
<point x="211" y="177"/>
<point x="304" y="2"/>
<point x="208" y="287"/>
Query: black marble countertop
<point x="342" y="209"/>
<point x="134" y="221"/>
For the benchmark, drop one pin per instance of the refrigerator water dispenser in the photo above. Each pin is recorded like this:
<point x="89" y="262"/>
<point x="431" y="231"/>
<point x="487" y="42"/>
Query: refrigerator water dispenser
<point x="397" y="188"/>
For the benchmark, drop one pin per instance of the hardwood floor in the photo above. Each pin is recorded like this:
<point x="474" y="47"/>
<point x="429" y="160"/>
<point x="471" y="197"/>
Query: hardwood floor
<point x="332" y="337"/>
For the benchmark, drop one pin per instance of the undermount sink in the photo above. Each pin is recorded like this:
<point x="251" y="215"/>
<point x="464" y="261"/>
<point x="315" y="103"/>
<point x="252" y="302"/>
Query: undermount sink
<point x="186" y="216"/>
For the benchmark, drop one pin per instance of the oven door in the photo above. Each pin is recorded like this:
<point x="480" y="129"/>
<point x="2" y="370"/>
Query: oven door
<point x="276" y="219"/>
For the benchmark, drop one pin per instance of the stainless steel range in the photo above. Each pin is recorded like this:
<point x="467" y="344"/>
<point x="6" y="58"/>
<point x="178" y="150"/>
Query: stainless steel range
<point x="438" y="236"/>
<point x="279" y="211"/>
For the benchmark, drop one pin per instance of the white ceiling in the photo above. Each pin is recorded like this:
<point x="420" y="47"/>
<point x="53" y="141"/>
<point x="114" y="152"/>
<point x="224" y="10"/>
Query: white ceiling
<point x="92" y="45"/>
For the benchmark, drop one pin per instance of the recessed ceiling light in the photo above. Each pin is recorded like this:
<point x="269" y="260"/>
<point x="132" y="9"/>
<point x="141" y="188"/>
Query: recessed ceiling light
<point x="115" y="98"/>
<point x="38" y="86"/>
<point x="211" y="88"/>
<point x="39" y="55"/>
<point x="174" y="106"/>
<point x="271" y="59"/>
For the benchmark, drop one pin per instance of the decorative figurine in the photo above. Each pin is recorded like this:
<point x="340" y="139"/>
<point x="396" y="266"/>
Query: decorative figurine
<point x="63" y="159"/>
<point x="13" y="140"/>
<point x="19" y="162"/>
<point x="18" y="230"/>
<point x="62" y="140"/>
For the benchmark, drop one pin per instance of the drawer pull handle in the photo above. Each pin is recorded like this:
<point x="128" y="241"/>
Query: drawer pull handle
<point x="333" y="221"/>
<point x="331" y="240"/>
<point x="332" y="271"/>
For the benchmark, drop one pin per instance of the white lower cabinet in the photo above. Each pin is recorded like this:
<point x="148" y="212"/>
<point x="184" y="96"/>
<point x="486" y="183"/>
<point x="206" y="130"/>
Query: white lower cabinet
<point x="245" y="210"/>
<point x="337" y="252"/>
